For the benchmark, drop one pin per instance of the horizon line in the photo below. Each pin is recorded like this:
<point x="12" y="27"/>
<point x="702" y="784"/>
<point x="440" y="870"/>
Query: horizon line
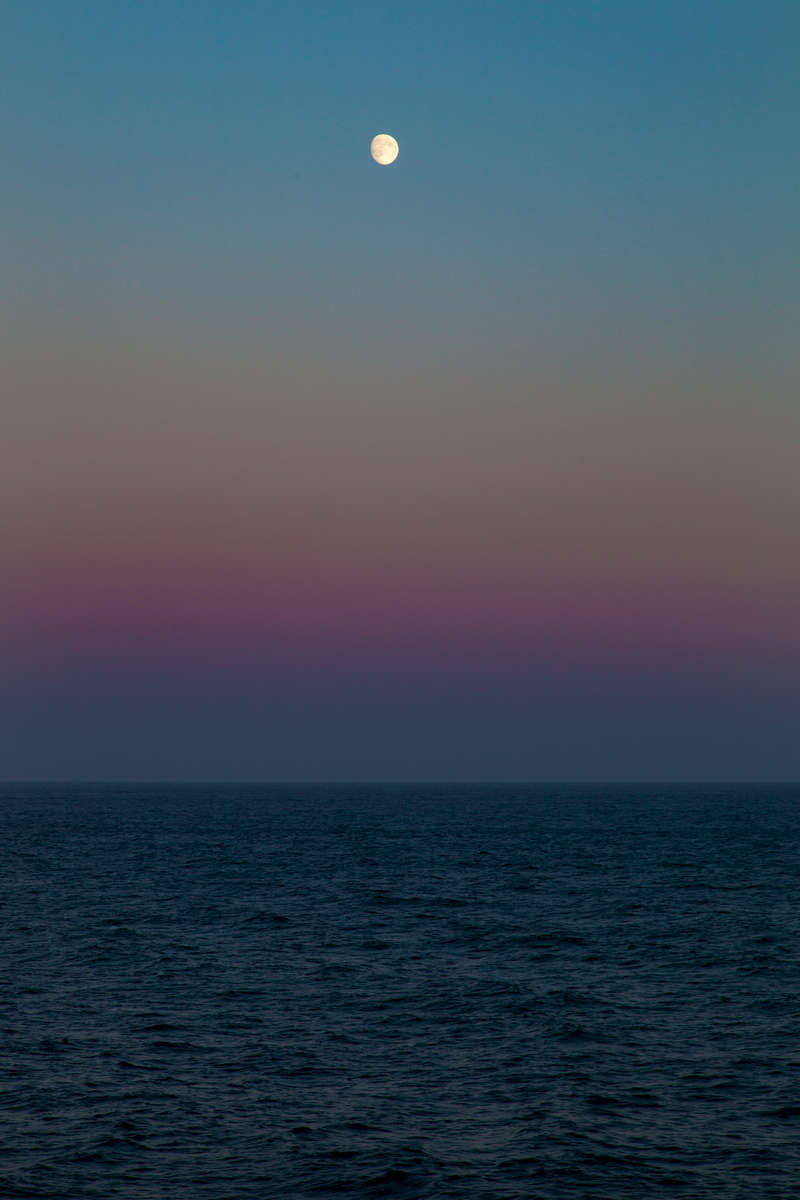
<point x="410" y="782"/>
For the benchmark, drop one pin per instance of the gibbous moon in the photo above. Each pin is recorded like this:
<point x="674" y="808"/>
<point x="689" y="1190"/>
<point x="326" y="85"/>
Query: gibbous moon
<point x="384" y="149"/>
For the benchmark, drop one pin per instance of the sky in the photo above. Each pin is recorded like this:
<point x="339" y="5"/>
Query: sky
<point x="484" y="465"/>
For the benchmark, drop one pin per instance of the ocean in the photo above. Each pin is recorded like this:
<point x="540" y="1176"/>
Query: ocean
<point x="417" y="991"/>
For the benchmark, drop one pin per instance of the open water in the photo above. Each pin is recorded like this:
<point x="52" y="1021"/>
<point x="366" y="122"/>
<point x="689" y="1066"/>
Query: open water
<point x="399" y="991"/>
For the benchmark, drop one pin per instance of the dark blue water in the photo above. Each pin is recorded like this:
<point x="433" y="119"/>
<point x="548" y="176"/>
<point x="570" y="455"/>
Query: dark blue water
<point x="232" y="992"/>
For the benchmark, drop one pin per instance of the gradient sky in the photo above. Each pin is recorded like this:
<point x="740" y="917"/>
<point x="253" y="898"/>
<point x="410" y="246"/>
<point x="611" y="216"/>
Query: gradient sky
<point x="485" y="465"/>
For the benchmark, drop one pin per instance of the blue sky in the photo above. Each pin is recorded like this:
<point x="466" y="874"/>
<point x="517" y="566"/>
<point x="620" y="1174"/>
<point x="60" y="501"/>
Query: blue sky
<point x="595" y="146"/>
<point x="513" y="410"/>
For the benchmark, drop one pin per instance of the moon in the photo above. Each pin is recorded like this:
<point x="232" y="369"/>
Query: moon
<point x="384" y="149"/>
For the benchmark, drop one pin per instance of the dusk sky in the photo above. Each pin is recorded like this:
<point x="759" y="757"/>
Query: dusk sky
<point x="482" y="465"/>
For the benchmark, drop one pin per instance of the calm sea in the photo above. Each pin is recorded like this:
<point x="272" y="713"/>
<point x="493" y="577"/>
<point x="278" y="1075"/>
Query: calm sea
<point x="402" y="991"/>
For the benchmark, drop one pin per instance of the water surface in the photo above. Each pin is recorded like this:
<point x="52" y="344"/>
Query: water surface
<point x="405" y="991"/>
